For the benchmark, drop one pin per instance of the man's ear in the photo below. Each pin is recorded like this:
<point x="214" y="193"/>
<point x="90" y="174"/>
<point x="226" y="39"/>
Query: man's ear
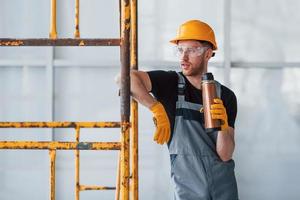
<point x="208" y="54"/>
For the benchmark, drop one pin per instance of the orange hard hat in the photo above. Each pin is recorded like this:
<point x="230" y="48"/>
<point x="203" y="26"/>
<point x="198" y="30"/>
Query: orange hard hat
<point x="195" y="30"/>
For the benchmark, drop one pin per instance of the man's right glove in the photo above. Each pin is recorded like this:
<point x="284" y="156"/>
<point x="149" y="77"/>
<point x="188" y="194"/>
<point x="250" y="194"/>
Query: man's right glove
<point x="218" y="111"/>
<point x="161" y="121"/>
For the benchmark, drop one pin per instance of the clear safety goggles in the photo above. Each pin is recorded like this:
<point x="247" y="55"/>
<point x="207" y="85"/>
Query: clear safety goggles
<point x="179" y="51"/>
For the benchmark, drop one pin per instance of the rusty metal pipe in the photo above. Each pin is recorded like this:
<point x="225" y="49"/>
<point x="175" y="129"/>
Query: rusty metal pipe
<point x="77" y="33"/>
<point x="42" y="145"/>
<point x="134" y="35"/>
<point x="59" y="42"/>
<point x="77" y="154"/>
<point x="60" y="124"/>
<point x="52" y="154"/>
<point x="53" y="32"/>
<point x="134" y="181"/>
<point x="94" y="187"/>
<point x="125" y="61"/>
<point x="125" y="167"/>
<point x="125" y="97"/>
<point x="117" y="194"/>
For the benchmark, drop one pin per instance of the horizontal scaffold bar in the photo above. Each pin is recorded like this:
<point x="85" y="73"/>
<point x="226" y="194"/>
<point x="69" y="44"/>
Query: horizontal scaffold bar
<point x="93" y="187"/>
<point x="60" y="145"/>
<point x="59" y="42"/>
<point x="60" y="124"/>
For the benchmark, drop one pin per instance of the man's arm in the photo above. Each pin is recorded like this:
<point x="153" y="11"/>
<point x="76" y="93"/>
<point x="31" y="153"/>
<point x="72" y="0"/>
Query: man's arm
<point x="225" y="144"/>
<point x="225" y="140"/>
<point x="140" y="88"/>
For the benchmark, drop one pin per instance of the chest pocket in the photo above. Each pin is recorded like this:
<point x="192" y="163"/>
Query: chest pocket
<point x="189" y="114"/>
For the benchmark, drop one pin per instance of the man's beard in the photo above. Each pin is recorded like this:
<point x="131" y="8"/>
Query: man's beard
<point x="195" y="71"/>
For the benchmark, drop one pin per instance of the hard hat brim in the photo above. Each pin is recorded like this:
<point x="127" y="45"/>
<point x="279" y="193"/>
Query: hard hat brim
<point x="176" y="40"/>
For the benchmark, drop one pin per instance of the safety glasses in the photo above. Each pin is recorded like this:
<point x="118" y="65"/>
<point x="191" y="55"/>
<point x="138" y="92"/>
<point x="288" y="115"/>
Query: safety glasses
<point x="192" y="52"/>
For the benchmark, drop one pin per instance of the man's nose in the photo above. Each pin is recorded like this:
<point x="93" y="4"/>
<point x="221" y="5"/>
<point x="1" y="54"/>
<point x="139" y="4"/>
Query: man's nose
<point x="184" y="56"/>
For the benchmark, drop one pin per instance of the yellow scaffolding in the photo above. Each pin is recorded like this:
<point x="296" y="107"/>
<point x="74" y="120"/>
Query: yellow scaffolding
<point x="127" y="178"/>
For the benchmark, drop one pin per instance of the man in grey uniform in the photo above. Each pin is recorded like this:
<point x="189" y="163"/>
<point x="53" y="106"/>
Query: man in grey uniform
<point x="201" y="163"/>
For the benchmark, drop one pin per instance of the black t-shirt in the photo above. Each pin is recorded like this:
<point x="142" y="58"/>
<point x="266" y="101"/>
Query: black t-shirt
<point x="164" y="89"/>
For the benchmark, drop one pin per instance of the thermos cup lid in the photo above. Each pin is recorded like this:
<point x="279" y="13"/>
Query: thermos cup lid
<point x="207" y="76"/>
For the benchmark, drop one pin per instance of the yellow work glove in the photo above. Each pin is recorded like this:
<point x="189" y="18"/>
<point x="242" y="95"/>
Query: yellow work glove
<point x="161" y="121"/>
<point x="218" y="111"/>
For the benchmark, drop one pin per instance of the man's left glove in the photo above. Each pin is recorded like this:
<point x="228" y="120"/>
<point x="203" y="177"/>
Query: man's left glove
<point x="218" y="111"/>
<point x="161" y="121"/>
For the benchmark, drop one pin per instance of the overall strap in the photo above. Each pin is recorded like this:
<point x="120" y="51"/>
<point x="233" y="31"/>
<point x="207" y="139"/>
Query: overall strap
<point x="181" y="84"/>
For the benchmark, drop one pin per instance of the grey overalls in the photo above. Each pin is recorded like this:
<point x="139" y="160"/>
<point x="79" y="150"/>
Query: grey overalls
<point x="196" y="170"/>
